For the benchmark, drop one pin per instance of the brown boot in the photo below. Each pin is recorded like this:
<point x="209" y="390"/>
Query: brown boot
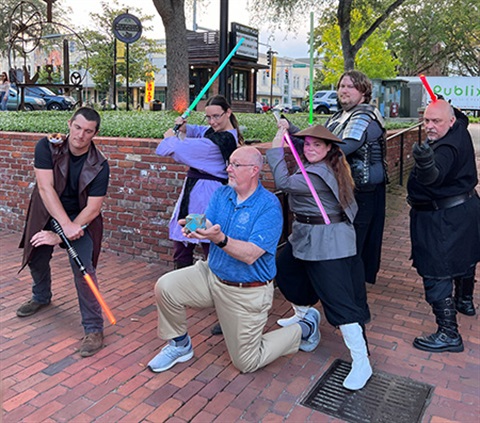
<point x="92" y="342"/>
<point x="29" y="308"/>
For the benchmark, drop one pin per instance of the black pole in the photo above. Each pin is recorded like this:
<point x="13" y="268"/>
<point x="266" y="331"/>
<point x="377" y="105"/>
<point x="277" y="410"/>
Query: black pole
<point x="128" y="70"/>
<point x="271" y="86"/>
<point x="115" y="75"/>
<point x="66" y="62"/>
<point x="223" y="48"/>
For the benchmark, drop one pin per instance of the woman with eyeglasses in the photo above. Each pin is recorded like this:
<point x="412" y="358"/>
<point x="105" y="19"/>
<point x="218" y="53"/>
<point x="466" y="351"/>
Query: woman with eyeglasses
<point x="205" y="149"/>
<point x="320" y="261"/>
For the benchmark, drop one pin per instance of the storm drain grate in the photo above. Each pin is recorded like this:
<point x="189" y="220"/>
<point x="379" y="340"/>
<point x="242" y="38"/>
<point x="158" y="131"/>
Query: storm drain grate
<point x="384" y="399"/>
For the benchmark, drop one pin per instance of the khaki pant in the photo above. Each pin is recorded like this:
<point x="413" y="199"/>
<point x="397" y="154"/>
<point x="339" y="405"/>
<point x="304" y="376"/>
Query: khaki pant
<point x="242" y="313"/>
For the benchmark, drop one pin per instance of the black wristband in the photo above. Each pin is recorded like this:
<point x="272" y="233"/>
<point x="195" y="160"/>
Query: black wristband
<point x="223" y="243"/>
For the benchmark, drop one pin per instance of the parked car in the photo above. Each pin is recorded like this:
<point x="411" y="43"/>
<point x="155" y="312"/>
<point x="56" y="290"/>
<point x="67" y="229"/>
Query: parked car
<point x="265" y="107"/>
<point x="30" y="103"/>
<point x="284" y="108"/>
<point x="54" y="101"/>
<point x="325" y="102"/>
<point x="259" y="108"/>
<point x="295" y="109"/>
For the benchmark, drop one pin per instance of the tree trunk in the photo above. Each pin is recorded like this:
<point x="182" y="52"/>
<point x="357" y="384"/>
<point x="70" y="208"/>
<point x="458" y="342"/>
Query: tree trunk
<point x="350" y="50"/>
<point x="344" y="20"/>
<point x="172" y="13"/>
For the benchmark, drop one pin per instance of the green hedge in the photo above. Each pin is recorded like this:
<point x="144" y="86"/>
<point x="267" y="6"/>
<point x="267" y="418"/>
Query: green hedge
<point x="148" y="124"/>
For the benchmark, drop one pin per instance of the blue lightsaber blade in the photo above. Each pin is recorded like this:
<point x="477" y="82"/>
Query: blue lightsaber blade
<point x="210" y="82"/>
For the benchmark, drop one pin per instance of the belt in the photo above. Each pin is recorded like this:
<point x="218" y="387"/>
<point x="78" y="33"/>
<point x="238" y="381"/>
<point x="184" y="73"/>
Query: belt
<point x="254" y="284"/>
<point x="318" y="220"/>
<point x="443" y="203"/>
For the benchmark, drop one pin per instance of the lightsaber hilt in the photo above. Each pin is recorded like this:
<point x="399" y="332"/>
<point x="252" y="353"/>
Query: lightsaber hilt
<point x="74" y="256"/>
<point x="71" y="251"/>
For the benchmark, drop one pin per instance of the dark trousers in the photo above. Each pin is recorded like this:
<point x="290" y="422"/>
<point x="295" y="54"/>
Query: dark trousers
<point x="339" y="285"/>
<point x="439" y="289"/>
<point x="183" y="254"/>
<point x="369" y="223"/>
<point x="92" y="319"/>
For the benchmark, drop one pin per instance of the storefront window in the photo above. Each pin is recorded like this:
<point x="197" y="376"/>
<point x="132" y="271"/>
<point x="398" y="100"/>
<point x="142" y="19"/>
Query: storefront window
<point x="239" y="87"/>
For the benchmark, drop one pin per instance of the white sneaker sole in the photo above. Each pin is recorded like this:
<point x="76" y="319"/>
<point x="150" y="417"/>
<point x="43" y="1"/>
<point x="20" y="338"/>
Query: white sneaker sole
<point x="181" y="359"/>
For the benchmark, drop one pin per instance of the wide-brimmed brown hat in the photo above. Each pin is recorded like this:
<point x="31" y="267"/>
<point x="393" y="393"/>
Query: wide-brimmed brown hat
<point x="319" y="131"/>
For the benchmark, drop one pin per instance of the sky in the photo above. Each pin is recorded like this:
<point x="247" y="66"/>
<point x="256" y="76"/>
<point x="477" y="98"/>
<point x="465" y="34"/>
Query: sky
<point x="289" y="45"/>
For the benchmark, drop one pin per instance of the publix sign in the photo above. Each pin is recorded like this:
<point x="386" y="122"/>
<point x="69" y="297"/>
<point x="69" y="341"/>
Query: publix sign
<point x="462" y="92"/>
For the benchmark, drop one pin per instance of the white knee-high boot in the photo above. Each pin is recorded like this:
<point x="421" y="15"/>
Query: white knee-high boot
<point x="300" y="312"/>
<point x="361" y="369"/>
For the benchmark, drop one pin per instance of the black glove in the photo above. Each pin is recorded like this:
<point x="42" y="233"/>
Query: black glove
<point x="423" y="155"/>
<point x="427" y="172"/>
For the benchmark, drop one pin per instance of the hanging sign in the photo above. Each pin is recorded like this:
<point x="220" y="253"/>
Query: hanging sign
<point x="127" y="28"/>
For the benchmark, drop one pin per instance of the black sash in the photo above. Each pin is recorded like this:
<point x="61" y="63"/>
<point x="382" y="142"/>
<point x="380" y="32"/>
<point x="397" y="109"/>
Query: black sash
<point x="226" y="142"/>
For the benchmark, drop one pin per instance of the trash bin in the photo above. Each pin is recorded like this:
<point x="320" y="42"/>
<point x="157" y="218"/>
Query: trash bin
<point x="155" y="105"/>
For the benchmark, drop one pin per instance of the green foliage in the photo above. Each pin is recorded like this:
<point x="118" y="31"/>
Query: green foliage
<point x="147" y="124"/>
<point x="56" y="76"/>
<point x="374" y="58"/>
<point x="438" y="38"/>
<point x="100" y="42"/>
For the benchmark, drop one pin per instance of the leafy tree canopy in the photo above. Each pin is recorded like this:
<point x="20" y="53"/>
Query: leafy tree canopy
<point x="100" y="43"/>
<point x="438" y="37"/>
<point x="374" y="58"/>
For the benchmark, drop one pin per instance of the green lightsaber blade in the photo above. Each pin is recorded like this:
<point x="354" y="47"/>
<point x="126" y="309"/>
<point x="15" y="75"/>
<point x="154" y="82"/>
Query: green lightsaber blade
<point x="210" y="82"/>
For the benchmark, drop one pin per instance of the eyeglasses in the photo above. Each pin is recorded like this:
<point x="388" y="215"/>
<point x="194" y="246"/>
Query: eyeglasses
<point x="237" y="165"/>
<point x="214" y="117"/>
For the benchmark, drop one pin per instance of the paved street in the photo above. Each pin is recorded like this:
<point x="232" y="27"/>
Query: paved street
<point x="45" y="380"/>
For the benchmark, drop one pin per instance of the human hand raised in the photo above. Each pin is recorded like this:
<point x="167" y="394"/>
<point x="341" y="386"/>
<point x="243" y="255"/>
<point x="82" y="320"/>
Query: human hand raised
<point x="423" y="154"/>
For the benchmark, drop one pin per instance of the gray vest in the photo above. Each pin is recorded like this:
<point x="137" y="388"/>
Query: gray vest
<point x="372" y="151"/>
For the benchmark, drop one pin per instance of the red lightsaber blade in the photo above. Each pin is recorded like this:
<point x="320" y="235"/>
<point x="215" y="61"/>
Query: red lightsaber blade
<point x="428" y="88"/>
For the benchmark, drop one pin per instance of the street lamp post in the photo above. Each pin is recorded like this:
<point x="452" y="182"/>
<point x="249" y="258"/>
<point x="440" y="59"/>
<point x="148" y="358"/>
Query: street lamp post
<point x="223" y="49"/>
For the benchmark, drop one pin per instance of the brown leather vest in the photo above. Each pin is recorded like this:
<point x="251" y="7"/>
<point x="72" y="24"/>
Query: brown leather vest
<point x="37" y="214"/>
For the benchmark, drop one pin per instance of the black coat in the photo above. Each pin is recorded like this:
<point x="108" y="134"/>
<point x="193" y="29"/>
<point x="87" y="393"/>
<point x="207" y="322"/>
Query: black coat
<point x="446" y="242"/>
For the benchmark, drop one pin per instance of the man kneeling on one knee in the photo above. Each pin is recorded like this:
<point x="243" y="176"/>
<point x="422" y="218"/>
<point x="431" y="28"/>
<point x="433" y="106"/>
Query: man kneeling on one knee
<point x="244" y="223"/>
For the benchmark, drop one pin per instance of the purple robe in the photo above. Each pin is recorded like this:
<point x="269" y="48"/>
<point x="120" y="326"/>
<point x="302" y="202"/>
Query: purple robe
<point x="202" y="154"/>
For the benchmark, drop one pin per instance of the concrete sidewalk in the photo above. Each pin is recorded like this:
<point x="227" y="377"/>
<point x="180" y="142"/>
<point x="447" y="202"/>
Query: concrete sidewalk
<point x="45" y="380"/>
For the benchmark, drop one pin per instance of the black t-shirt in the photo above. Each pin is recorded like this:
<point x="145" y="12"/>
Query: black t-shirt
<point x="69" y="197"/>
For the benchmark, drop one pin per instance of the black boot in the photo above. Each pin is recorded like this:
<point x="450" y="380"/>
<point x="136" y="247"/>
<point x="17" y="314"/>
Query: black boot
<point x="464" y="295"/>
<point x="447" y="337"/>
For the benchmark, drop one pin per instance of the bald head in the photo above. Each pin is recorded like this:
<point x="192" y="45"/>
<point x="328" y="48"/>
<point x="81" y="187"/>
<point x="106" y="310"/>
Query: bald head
<point x="244" y="170"/>
<point x="251" y="154"/>
<point x="438" y="118"/>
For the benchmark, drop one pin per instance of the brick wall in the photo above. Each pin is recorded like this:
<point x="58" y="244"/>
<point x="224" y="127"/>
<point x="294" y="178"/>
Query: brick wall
<point x="142" y="193"/>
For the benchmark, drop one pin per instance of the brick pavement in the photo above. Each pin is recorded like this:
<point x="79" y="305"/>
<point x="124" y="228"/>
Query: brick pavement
<point x="45" y="380"/>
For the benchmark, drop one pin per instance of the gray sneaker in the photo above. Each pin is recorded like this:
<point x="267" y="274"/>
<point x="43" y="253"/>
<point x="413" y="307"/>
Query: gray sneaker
<point x="313" y="317"/>
<point x="170" y="355"/>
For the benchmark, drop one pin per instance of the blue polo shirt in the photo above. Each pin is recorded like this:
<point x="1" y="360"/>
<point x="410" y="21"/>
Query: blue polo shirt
<point x="258" y="220"/>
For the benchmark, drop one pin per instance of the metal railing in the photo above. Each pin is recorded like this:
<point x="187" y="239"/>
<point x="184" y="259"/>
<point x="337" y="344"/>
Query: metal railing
<point x="402" y="142"/>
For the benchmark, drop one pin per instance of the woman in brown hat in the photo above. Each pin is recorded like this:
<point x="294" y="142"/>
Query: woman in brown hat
<point x="319" y="261"/>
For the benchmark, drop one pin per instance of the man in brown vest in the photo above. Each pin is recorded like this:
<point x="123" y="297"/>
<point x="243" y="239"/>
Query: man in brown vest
<point x="71" y="184"/>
